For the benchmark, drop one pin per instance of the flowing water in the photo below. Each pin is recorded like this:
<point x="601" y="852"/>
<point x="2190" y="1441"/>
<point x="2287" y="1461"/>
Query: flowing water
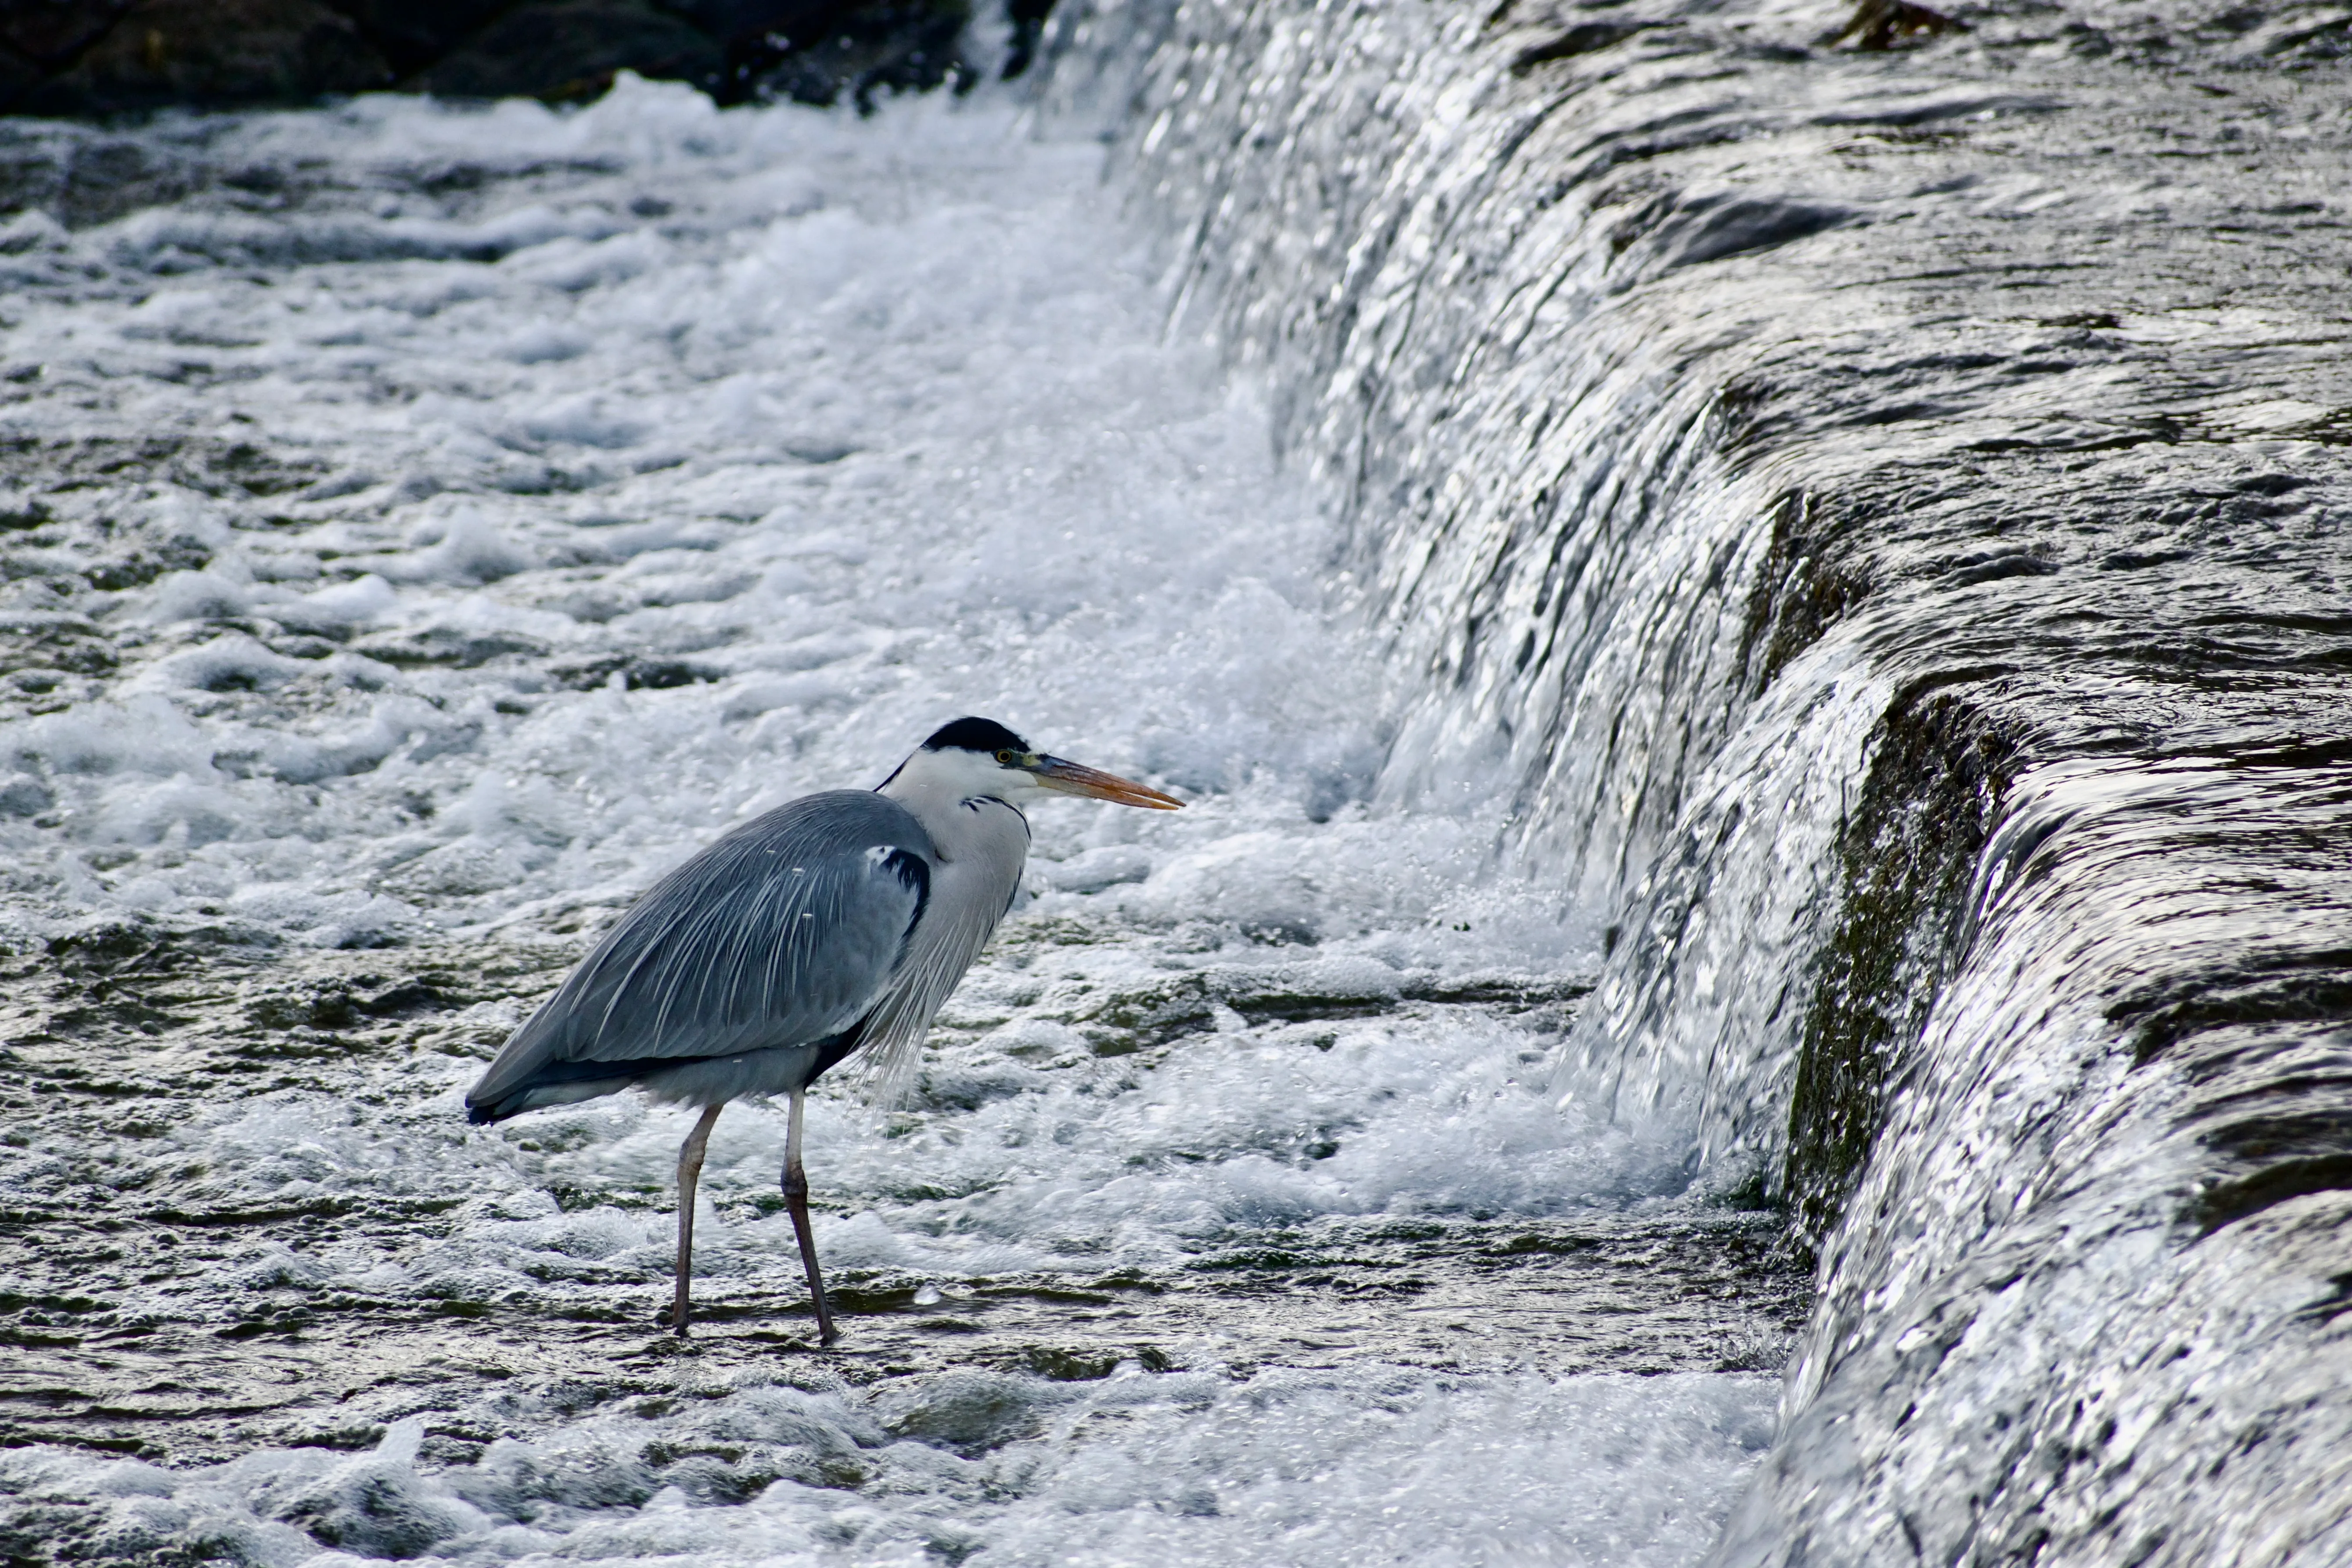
<point x="1885" y="514"/>
<point x="429" y="526"/>
<point x="1756" y="633"/>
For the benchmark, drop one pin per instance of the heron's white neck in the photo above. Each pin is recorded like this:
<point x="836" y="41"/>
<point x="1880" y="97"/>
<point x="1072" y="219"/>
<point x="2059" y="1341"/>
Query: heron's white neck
<point x="965" y="801"/>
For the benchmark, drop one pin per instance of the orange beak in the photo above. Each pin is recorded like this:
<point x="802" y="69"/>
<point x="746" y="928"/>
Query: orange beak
<point x="1072" y="778"/>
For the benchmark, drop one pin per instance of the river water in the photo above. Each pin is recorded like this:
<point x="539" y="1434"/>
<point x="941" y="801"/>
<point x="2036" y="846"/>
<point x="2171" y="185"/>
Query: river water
<point x="1885" y="512"/>
<point x="1756" y="633"/>
<point x="430" y="525"/>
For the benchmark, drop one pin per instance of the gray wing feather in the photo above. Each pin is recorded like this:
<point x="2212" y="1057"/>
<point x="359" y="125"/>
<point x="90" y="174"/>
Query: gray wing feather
<point x="783" y="933"/>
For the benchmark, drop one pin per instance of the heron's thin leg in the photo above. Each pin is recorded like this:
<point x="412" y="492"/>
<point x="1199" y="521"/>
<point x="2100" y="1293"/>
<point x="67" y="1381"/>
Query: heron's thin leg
<point x="796" y="1202"/>
<point x="690" y="1171"/>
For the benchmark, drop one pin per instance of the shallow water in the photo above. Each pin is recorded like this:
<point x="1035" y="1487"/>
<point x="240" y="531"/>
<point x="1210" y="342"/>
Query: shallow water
<point x="427" y="527"/>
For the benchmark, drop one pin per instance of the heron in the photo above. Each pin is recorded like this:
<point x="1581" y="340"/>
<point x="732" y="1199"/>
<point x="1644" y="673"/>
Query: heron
<point x="837" y="922"/>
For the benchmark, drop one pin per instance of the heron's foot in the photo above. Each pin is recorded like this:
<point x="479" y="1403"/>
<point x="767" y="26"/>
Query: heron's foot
<point x="822" y="1306"/>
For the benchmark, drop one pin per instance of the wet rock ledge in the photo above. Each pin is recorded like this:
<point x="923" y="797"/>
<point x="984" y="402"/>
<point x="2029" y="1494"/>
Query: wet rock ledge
<point x="102" y="57"/>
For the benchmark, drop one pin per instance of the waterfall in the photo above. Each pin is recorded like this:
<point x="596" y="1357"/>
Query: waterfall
<point x="1898" y="561"/>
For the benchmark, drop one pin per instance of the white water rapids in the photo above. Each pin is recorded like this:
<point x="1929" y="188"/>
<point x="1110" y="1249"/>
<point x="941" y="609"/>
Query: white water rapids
<point x="695" y="461"/>
<point x="1835" y="551"/>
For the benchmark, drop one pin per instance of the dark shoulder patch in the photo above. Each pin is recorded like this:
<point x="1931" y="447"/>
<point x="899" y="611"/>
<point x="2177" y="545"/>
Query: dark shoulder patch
<point x="914" y="873"/>
<point x="974" y="735"/>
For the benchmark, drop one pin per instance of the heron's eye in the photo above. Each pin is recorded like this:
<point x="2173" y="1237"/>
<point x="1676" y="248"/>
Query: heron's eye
<point x="1005" y="758"/>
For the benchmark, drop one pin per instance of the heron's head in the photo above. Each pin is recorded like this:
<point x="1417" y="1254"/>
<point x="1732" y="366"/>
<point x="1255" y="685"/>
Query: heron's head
<point x="981" y="756"/>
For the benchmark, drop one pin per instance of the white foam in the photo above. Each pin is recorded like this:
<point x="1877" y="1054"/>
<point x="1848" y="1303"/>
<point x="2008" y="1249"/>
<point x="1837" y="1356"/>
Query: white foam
<point x="895" y="443"/>
<point x="1301" y="1467"/>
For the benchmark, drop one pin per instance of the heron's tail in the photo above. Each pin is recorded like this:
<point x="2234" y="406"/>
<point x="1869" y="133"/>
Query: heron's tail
<point x="584" y="1080"/>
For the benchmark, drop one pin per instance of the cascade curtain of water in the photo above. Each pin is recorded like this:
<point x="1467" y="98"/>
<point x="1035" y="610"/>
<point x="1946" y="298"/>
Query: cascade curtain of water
<point x="1891" y="520"/>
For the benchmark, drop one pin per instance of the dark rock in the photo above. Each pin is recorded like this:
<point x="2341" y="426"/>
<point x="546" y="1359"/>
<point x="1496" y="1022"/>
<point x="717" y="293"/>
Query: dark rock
<point x="95" y="58"/>
<point x="17" y="76"/>
<point x="727" y="20"/>
<point x="85" y="58"/>
<point x="816" y="50"/>
<point x="413" y="33"/>
<point x="778" y="49"/>
<point x="49" y="32"/>
<point x="1028" y="19"/>
<point x="570" y="49"/>
<point x="213" y="52"/>
<point x="1879" y="24"/>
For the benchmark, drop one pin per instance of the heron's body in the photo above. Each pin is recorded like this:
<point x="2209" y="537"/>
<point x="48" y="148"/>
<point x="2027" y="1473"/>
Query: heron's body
<point x="836" y="923"/>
